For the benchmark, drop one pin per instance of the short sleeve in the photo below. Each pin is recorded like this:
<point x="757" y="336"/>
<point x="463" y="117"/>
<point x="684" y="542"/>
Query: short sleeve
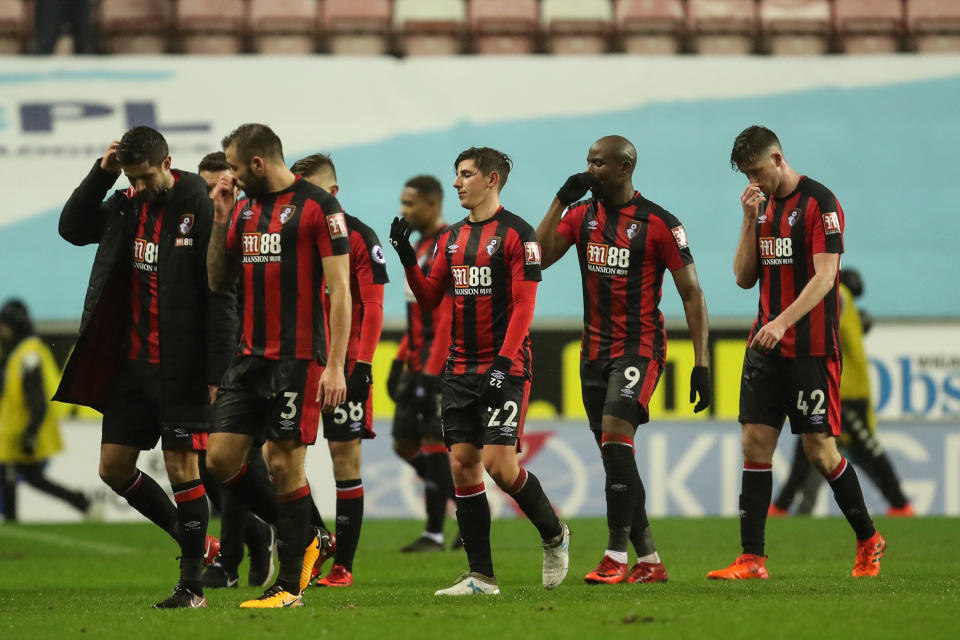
<point x="367" y="261"/>
<point x="826" y="224"/>
<point x="523" y="252"/>
<point x="330" y="224"/>
<point x="672" y="243"/>
<point x="571" y="221"/>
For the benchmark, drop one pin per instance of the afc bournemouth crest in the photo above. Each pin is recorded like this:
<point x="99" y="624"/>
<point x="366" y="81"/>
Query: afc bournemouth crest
<point x="286" y="212"/>
<point x="185" y="223"/>
<point x="792" y="218"/>
<point x="632" y="230"/>
<point x="493" y="245"/>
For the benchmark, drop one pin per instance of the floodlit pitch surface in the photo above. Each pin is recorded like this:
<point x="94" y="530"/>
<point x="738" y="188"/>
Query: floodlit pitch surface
<point x="99" y="581"/>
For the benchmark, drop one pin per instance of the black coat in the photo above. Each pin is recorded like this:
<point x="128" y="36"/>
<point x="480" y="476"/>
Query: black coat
<point x="197" y="327"/>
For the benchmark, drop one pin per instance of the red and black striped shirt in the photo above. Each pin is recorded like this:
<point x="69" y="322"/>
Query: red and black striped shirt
<point x="144" y="338"/>
<point x="790" y="231"/>
<point x="623" y="254"/>
<point x="368" y="274"/>
<point x="480" y="262"/>
<point x="427" y="341"/>
<point x="282" y="239"/>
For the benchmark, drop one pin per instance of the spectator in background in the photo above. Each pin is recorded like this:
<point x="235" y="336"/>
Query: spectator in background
<point x="49" y="16"/>
<point x="29" y="423"/>
<point x="857" y="420"/>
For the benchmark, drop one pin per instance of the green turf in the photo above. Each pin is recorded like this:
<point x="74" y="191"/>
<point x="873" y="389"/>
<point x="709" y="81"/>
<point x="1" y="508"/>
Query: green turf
<point x="99" y="580"/>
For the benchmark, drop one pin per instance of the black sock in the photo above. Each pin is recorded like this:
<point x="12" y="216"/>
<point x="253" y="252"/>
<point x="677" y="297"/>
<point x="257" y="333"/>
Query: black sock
<point x="641" y="536"/>
<point x="144" y="494"/>
<point x="255" y="491"/>
<point x="416" y="461"/>
<point x="757" y="487"/>
<point x="622" y="480"/>
<point x="349" y="520"/>
<point x="473" y="515"/>
<point x="193" y="515"/>
<point x="210" y="483"/>
<point x="849" y="497"/>
<point x="293" y="535"/>
<point x="234" y="529"/>
<point x="528" y="493"/>
<point x="316" y="519"/>
<point x="438" y="488"/>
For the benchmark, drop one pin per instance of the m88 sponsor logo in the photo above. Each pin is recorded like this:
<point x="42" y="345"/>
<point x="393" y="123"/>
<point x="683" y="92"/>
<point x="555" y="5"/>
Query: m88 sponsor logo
<point x="261" y="247"/>
<point x="776" y="251"/>
<point x="471" y="280"/>
<point x="144" y="255"/>
<point x="606" y="259"/>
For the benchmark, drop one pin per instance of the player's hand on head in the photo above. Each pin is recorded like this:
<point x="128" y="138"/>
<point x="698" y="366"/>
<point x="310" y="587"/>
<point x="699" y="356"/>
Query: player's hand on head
<point x="109" y="160"/>
<point x="224" y="197"/>
<point x="700" y="386"/>
<point x="493" y="387"/>
<point x="400" y="240"/>
<point x="751" y="199"/>
<point x="332" y="390"/>
<point x="358" y="386"/>
<point x="576" y="187"/>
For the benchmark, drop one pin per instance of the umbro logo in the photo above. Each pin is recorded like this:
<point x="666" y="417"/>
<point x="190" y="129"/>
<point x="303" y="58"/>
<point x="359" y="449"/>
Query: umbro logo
<point x="452" y="248"/>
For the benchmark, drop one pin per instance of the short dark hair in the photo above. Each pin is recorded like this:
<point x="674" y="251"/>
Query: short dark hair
<point x="142" y="144"/>
<point x="487" y="160"/>
<point x="427" y="186"/>
<point x="314" y="163"/>
<point x="214" y="161"/>
<point x="253" y="139"/>
<point x="15" y="315"/>
<point x="752" y="143"/>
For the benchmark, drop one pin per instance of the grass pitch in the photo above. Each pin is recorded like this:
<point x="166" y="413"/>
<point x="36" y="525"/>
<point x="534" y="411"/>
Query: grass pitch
<point x="100" y="580"/>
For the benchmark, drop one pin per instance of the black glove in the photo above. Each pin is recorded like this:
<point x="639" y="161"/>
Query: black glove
<point x="425" y="395"/>
<point x="494" y="383"/>
<point x="400" y="239"/>
<point x="575" y="187"/>
<point x="358" y="386"/>
<point x="393" y="380"/>
<point x="28" y="442"/>
<point x="700" y="384"/>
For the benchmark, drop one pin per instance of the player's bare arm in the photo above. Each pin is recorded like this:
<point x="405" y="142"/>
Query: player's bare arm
<point x="552" y="244"/>
<point x="745" y="265"/>
<point x="333" y="385"/>
<point x="222" y="267"/>
<point x="695" y="309"/>
<point x="825" y="267"/>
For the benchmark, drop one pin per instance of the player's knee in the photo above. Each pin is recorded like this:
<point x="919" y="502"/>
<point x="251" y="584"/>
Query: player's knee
<point x="115" y="473"/>
<point x="406" y="449"/>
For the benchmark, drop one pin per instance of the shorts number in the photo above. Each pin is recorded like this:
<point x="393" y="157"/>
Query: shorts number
<point x="511" y="421"/>
<point x="632" y="374"/>
<point x="817" y="396"/>
<point x="291" y="409"/>
<point x="352" y="412"/>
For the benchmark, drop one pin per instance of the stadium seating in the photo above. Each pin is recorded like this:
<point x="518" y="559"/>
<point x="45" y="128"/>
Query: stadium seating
<point x="577" y="26"/>
<point x="796" y="27"/>
<point x="650" y="26"/>
<point x="503" y="26"/>
<point x="211" y="26"/>
<point x="283" y="26"/>
<point x="14" y="26"/>
<point x="934" y="25"/>
<point x="358" y="27"/>
<point x="868" y="26"/>
<point x="722" y="26"/>
<point x="430" y="27"/>
<point x="135" y="26"/>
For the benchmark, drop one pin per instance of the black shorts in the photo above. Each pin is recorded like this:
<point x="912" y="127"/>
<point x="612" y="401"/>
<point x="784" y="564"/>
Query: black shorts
<point x="619" y="388"/>
<point x="269" y="400"/>
<point x="466" y="418"/>
<point x="349" y="421"/>
<point x="131" y="416"/>
<point x="410" y="424"/>
<point x="805" y="389"/>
